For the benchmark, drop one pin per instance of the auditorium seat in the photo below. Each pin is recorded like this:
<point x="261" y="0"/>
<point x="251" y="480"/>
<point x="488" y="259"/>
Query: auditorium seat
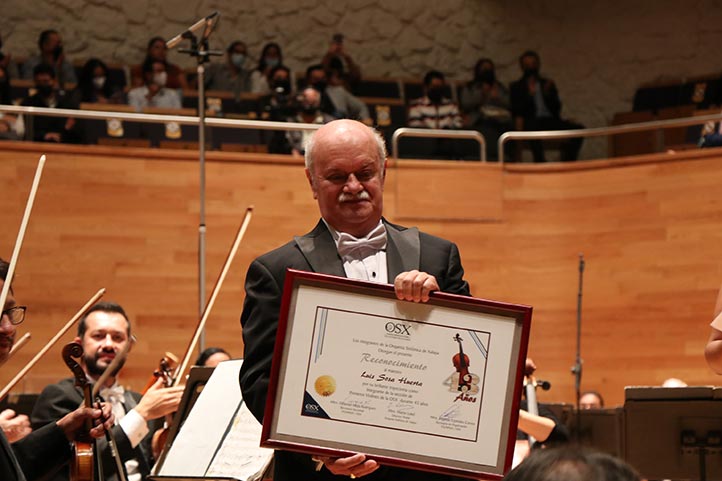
<point x="378" y="87"/>
<point x="248" y="102"/>
<point x="99" y="131"/>
<point x="675" y="137"/>
<point x="170" y="131"/>
<point x="633" y="143"/>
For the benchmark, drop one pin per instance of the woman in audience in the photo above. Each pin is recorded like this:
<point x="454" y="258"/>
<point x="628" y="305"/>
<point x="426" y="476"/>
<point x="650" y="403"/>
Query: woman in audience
<point x="96" y="86"/>
<point x="271" y="57"/>
<point x="157" y="51"/>
<point x="212" y="356"/>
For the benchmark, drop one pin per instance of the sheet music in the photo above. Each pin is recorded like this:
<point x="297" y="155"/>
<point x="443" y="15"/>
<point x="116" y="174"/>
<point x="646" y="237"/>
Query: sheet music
<point x="220" y="435"/>
<point x="239" y="455"/>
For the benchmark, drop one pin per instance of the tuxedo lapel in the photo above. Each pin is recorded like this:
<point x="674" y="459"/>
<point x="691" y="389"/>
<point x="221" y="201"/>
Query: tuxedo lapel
<point x="320" y="251"/>
<point x="403" y="250"/>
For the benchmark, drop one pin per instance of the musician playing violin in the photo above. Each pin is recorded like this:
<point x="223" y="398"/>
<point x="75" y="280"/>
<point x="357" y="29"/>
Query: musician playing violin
<point x="46" y="448"/>
<point x="103" y="333"/>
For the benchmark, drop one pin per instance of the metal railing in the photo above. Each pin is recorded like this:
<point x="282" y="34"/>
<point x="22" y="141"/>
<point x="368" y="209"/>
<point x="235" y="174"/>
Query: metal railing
<point x="603" y="131"/>
<point x="437" y="134"/>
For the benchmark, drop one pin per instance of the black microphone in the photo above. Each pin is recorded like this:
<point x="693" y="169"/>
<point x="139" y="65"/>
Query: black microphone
<point x="545" y="385"/>
<point x="208" y="22"/>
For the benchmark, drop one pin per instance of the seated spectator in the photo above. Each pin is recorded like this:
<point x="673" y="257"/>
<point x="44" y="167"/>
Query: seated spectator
<point x="433" y="110"/>
<point x="572" y="464"/>
<point x="535" y="105"/>
<point x="7" y="63"/>
<point x="486" y="105"/>
<point x="711" y="135"/>
<point x="51" y="53"/>
<point x="10" y="127"/>
<point x="95" y="86"/>
<point x="278" y="104"/>
<point x="339" y="60"/>
<point x="212" y="356"/>
<point x="591" y="400"/>
<point x="271" y="57"/>
<point x="50" y="129"/>
<point x="154" y="93"/>
<point x="336" y="101"/>
<point x="230" y="76"/>
<point x="157" y="50"/>
<point x="309" y="112"/>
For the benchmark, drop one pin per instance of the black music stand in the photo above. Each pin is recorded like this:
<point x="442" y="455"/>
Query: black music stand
<point x="601" y="429"/>
<point x="674" y="433"/>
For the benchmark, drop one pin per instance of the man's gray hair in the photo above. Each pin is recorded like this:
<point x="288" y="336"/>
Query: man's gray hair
<point x="310" y="145"/>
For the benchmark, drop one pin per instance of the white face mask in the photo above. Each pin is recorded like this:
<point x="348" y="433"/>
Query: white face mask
<point x="98" y="82"/>
<point x="160" y="78"/>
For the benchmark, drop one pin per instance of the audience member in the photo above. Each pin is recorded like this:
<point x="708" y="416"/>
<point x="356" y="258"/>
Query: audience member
<point x="711" y="135"/>
<point x="7" y="63"/>
<point x="339" y="60"/>
<point x="230" y="76"/>
<point x="335" y="99"/>
<point x="433" y="110"/>
<point x="157" y="50"/>
<point x="572" y="464"/>
<point x="308" y="112"/>
<point x="486" y="105"/>
<point x="535" y="105"/>
<point x="713" y="350"/>
<point x="95" y="86"/>
<point x="50" y="129"/>
<point x="154" y="93"/>
<point x="591" y="400"/>
<point x="51" y="53"/>
<point x="212" y="356"/>
<point x="271" y="57"/>
<point x="278" y="104"/>
<point x="11" y="127"/>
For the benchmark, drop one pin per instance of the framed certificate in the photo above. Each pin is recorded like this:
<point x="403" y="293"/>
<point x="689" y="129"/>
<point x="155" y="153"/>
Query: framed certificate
<point x="431" y="386"/>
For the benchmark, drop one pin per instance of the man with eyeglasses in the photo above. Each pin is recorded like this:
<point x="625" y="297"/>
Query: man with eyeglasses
<point x="47" y="448"/>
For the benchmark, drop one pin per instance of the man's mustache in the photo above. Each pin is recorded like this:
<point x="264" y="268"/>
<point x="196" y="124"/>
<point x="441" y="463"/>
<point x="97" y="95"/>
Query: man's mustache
<point x="347" y="197"/>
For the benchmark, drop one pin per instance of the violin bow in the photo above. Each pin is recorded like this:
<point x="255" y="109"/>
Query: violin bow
<point x="21" y="233"/>
<point x="19" y="344"/>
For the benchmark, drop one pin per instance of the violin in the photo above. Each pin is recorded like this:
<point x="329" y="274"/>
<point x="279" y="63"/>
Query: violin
<point x="165" y="371"/>
<point x="81" y="465"/>
<point x="462" y="379"/>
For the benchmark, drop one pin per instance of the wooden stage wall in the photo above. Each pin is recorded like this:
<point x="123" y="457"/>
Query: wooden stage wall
<point x="127" y="219"/>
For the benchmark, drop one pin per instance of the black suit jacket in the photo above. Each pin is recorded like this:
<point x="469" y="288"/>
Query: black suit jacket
<point x="522" y="103"/>
<point x="407" y="249"/>
<point x="42" y="451"/>
<point x="59" y="399"/>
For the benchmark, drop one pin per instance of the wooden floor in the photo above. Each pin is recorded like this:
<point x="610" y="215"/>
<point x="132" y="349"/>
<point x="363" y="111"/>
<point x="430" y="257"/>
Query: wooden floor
<point x="650" y="229"/>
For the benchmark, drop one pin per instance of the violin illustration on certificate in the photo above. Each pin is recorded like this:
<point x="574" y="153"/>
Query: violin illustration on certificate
<point x="463" y="380"/>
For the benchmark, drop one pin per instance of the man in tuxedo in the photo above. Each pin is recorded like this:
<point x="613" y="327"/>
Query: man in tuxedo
<point x="46" y="448"/>
<point x="103" y="332"/>
<point x="345" y="167"/>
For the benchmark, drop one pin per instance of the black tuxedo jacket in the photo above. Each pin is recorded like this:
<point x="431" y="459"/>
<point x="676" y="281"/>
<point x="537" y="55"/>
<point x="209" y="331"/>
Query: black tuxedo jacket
<point x="42" y="451"/>
<point x="59" y="399"/>
<point x="407" y="249"/>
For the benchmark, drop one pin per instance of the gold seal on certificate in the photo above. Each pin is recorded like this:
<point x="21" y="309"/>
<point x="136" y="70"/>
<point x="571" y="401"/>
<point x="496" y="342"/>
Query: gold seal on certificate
<point x="325" y="385"/>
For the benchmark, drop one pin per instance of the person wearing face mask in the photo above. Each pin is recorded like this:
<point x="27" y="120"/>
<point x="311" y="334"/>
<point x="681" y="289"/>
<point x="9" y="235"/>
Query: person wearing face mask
<point x="154" y="93"/>
<point x="271" y="57"/>
<point x="95" y="86"/>
<point x="535" y="105"/>
<point x="277" y="105"/>
<point x="157" y="50"/>
<point x="51" y="53"/>
<point x="336" y="101"/>
<point x="50" y="129"/>
<point x="309" y="112"/>
<point x="232" y="75"/>
<point x="434" y="110"/>
<point x="486" y="106"/>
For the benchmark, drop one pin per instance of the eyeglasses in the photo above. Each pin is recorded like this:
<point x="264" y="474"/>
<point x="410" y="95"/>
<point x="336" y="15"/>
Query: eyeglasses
<point x="15" y="314"/>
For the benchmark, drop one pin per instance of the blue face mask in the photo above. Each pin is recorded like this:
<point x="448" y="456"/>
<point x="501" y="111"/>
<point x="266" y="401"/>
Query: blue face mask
<point x="272" y="62"/>
<point x="238" y="59"/>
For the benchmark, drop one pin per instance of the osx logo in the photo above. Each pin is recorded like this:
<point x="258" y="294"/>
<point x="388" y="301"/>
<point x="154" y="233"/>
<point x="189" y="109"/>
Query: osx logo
<point x="398" y="328"/>
<point x="312" y="408"/>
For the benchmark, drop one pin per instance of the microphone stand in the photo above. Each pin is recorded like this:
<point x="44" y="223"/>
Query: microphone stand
<point x="199" y="50"/>
<point x="577" y="367"/>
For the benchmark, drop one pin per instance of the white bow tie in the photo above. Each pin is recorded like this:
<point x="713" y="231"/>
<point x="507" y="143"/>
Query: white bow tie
<point x="350" y="246"/>
<point x="113" y="394"/>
